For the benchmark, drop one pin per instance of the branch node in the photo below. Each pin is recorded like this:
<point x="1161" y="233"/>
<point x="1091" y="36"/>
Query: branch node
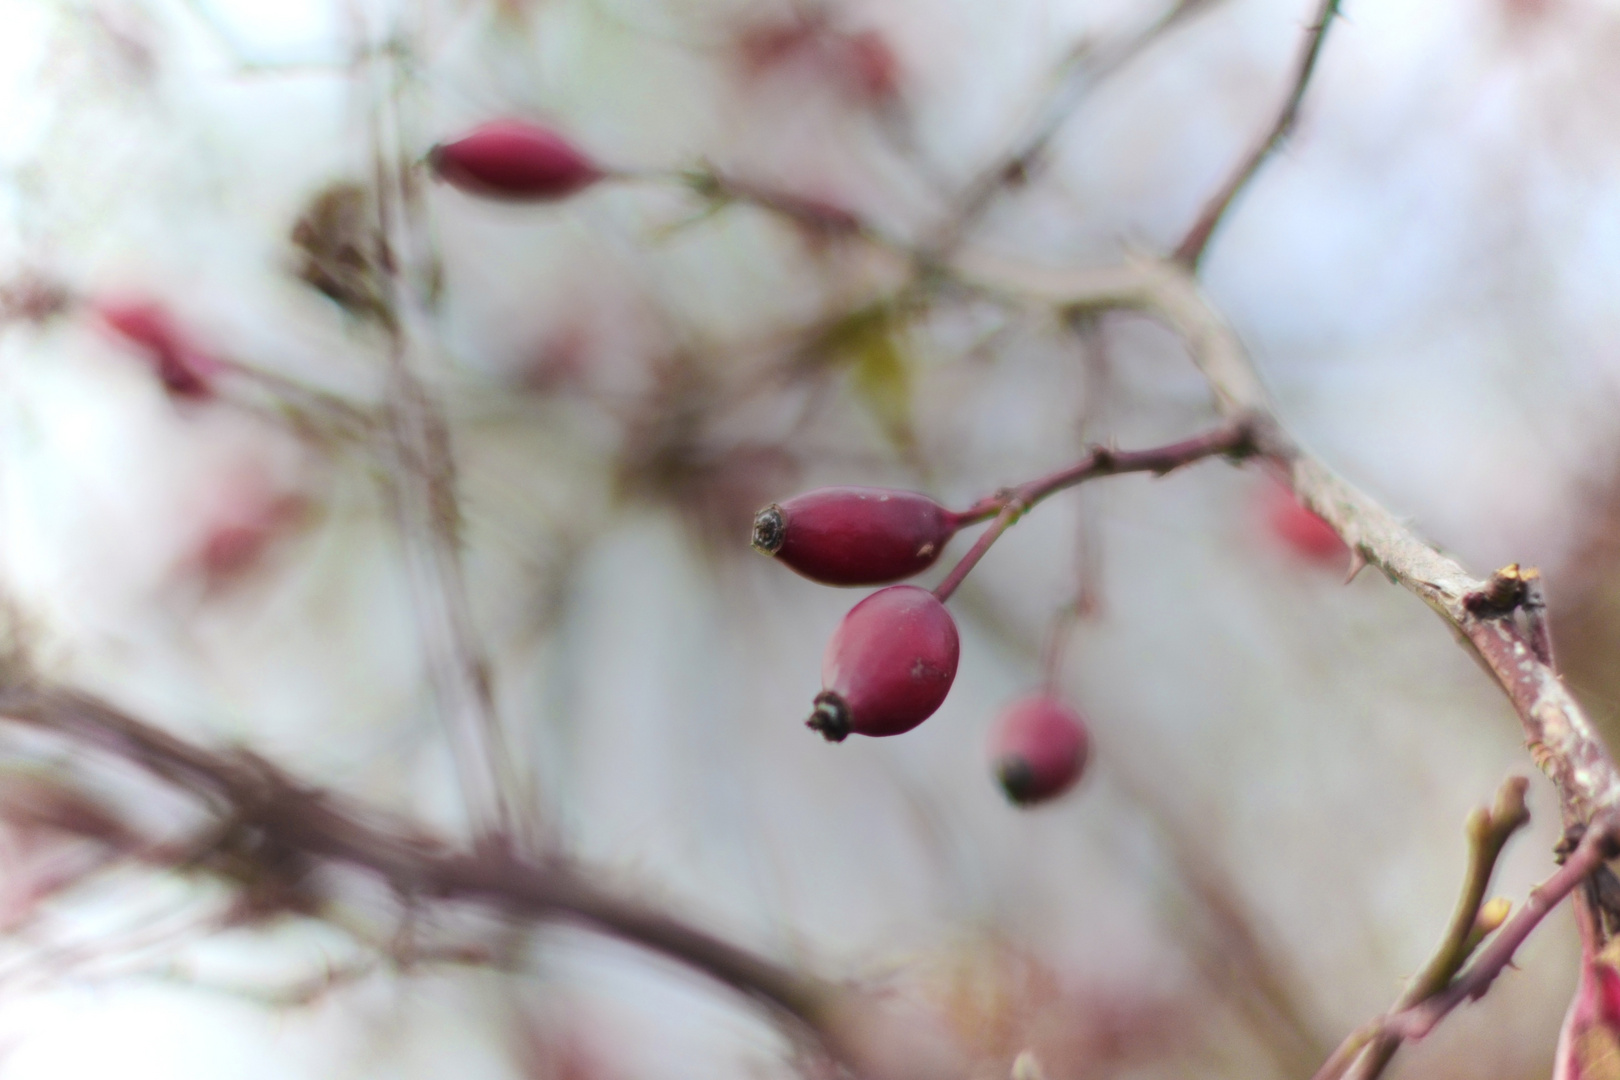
<point x="1502" y="594"/>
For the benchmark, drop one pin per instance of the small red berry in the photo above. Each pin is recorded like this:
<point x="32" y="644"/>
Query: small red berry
<point x="888" y="666"/>
<point x="855" y="535"/>
<point x="1038" y="748"/>
<point x="185" y="370"/>
<point x="1304" y="533"/>
<point x="513" y="159"/>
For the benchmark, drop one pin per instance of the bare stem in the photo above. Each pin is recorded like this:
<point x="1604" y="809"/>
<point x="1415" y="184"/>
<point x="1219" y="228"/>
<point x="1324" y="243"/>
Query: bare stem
<point x="1233" y="440"/>
<point x="1191" y="248"/>
<point x="1596" y="846"/>
<point x="425" y="497"/>
<point x="1369" y="1048"/>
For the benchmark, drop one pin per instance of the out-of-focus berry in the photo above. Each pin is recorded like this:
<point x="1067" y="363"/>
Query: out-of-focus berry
<point x="1038" y="749"/>
<point x="1300" y="530"/>
<point x="515" y="160"/>
<point x="185" y="370"/>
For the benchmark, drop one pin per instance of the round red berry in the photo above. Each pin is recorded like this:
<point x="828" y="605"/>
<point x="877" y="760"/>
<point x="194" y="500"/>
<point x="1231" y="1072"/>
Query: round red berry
<point x="514" y="159"/>
<point x="855" y="535"/>
<point x="889" y="665"/>
<point x="1301" y="531"/>
<point x="1038" y="749"/>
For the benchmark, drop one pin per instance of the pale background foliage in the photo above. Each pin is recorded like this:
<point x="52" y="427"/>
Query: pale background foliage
<point x="1424" y="274"/>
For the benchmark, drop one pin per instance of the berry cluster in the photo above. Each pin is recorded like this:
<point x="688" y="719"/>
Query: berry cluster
<point x="892" y="660"/>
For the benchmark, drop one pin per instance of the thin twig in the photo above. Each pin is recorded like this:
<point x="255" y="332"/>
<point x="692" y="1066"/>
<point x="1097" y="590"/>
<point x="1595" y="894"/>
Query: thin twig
<point x="1488" y="831"/>
<point x="425" y="497"/>
<point x="1191" y="248"/>
<point x="1233" y="440"/>
<point x="1078" y="75"/>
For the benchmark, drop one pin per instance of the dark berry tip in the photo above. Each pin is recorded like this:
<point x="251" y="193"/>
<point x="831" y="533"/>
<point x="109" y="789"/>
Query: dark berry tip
<point x="1017" y="779"/>
<point x="830" y="717"/>
<point x="769" y="530"/>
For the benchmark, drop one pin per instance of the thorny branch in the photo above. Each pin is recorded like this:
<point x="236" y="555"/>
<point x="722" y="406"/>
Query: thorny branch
<point x="1370" y="1048"/>
<point x="1414" y="1017"/>
<point x="1560" y="736"/>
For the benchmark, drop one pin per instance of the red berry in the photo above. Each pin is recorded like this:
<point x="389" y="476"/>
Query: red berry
<point x="855" y="535"/>
<point x="1306" y="534"/>
<point x="888" y="666"/>
<point x="1038" y="748"/>
<point x="185" y="370"/>
<point x="512" y="159"/>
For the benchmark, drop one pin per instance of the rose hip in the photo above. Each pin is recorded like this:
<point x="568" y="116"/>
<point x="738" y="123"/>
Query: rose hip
<point x="1038" y="749"/>
<point x="1304" y="533"/>
<point x="888" y="666"/>
<point x="513" y="159"/>
<point x="855" y="535"/>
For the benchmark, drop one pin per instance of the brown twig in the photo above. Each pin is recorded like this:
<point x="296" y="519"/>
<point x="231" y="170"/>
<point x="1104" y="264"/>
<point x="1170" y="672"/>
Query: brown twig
<point x="1369" y="1049"/>
<point x="1233" y="440"/>
<point x="293" y="825"/>
<point x="1191" y="248"/>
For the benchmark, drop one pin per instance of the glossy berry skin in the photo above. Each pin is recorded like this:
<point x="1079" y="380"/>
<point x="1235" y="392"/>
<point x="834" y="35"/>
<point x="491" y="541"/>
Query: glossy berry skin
<point x="1303" y="532"/>
<point x="514" y="160"/>
<point x="855" y="535"/>
<point x="888" y="666"/>
<point x="1038" y="748"/>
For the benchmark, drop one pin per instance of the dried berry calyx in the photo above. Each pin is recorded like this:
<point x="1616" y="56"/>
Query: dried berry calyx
<point x="855" y="535"/>
<point x="888" y="667"/>
<point x="516" y="160"/>
<point x="1038" y="749"/>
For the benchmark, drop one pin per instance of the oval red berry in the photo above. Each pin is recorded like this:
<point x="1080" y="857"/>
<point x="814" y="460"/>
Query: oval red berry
<point x="1302" y="531"/>
<point x="889" y="665"/>
<point x="855" y="535"/>
<point x="513" y="159"/>
<point x="1038" y="749"/>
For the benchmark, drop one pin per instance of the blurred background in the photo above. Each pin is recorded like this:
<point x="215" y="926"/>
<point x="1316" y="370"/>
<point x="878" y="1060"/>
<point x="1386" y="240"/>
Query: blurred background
<point x="1269" y="837"/>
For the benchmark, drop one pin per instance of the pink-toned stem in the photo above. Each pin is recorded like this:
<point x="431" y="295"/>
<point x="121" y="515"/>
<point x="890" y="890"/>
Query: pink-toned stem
<point x="1233" y="440"/>
<point x="1596" y="845"/>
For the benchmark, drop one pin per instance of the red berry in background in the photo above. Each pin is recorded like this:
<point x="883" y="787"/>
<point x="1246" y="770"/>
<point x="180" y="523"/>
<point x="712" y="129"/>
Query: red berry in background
<point x="855" y="535"/>
<point x="185" y="370"/>
<point x="516" y="160"/>
<point x="888" y="666"/>
<point x="1038" y="748"/>
<point x="1302" y="531"/>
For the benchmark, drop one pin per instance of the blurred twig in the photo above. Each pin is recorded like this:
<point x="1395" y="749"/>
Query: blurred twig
<point x="1191" y="248"/>
<point x="1082" y="70"/>
<point x="424" y="487"/>
<point x="294" y="826"/>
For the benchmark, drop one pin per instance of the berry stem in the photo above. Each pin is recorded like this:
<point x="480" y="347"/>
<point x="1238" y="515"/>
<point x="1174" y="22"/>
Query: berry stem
<point x="1235" y="440"/>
